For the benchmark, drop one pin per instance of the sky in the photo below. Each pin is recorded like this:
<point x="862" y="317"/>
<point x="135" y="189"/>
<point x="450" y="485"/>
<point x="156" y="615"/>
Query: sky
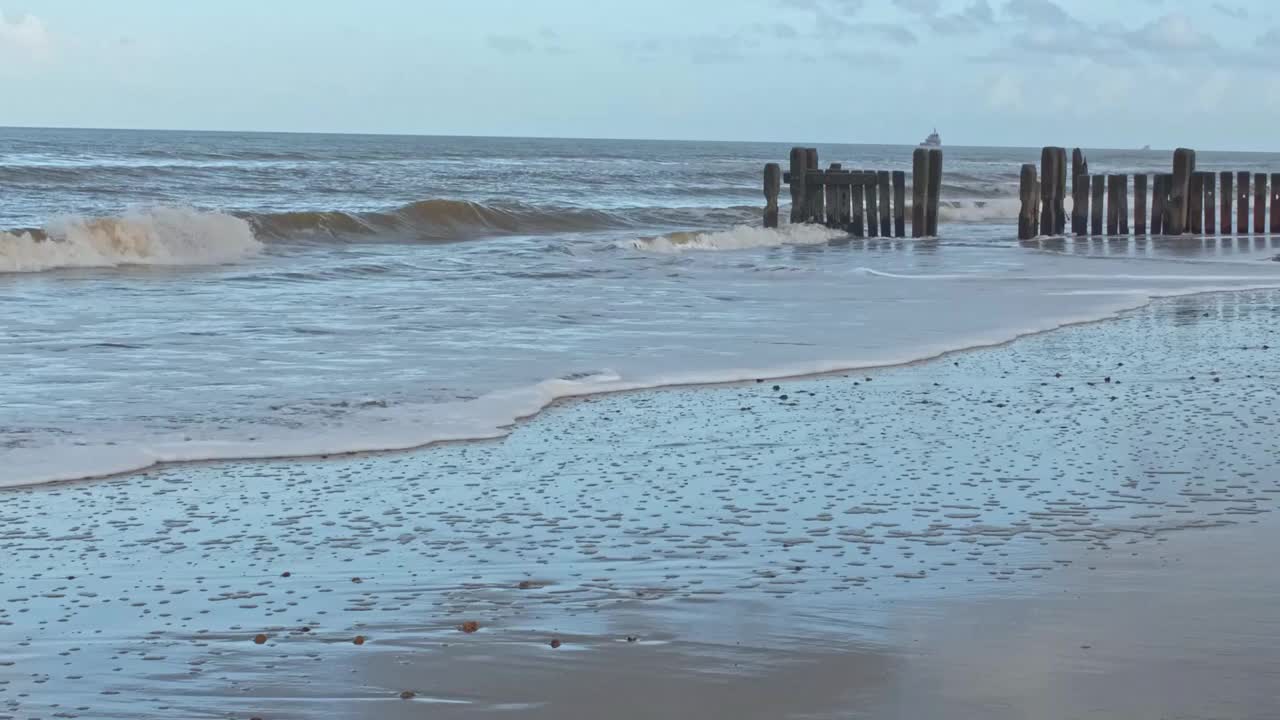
<point x="1095" y="73"/>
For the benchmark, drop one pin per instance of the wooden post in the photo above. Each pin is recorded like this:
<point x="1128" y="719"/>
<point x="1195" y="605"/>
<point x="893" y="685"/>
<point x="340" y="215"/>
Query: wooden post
<point x="1159" y="193"/>
<point x="1099" y="191"/>
<point x="1275" y="203"/>
<point x="886" y="225"/>
<point x="1048" y="178"/>
<point x="1242" y="203"/>
<point x="1184" y="163"/>
<point x="1080" y="204"/>
<point x="831" y="196"/>
<point x="873" y="206"/>
<point x="1059" y="191"/>
<point x="1259" y="203"/>
<point x="1210" y="204"/>
<point x="813" y="194"/>
<point x="1113" y="204"/>
<point x="1226" y="196"/>
<point x="1027" y="194"/>
<point x="1079" y="193"/>
<point x="899" y="203"/>
<point x="1123" y="200"/>
<point x="798" y="168"/>
<point x="935" y="192"/>
<point x="1140" y="204"/>
<point x="919" y="190"/>
<point x="856" y="228"/>
<point x="772" y="186"/>
<point x="1195" y="204"/>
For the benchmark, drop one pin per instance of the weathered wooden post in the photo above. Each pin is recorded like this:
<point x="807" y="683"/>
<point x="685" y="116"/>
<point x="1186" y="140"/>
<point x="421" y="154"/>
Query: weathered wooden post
<point x="919" y="190"/>
<point x="1123" y="200"/>
<point x="1099" y="192"/>
<point x="873" y="205"/>
<point x="935" y="192"/>
<point x="1079" y="192"/>
<point x="1260" y="204"/>
<point x="1184" y="163"/>
<point x="1159" y="194"/>
<point x="1226" y="197"/>
<point x="772" y="186"/>
<point x="1048" y="179"/>
<point x="858" y="204"/>
<point x="1140" y="204"/>
<point x="1210" y="204"/>
<point x="899" y="203"/>
<point x="1242" y="202"/>
<point x="831" y="196"/>
<point x="1027" y="195"/>
<point x="1059" y="192"/>
<point x="1195" y="203"/>
<point x="1275" y="203"/>
<point x="1113" y="204"/>
<point x="798" y="183"/>
<point x="813" y="192"/>
<point x="886" y="225"/>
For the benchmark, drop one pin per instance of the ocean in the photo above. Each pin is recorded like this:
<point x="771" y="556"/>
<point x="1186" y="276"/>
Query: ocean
<point x="181" y="296"/>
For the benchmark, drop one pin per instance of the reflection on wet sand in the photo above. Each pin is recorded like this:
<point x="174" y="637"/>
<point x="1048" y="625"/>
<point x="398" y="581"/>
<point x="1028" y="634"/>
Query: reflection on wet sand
<point x="942" y="539"/>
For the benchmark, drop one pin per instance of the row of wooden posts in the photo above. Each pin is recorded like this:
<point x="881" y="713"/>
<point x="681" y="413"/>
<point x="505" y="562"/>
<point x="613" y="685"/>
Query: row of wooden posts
<point x="844" y="199"/>
<point x="1183" y="201"/>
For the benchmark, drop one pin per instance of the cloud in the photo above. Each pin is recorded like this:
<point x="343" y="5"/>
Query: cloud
<point x="1038" y="11"/>
<point x="977" y="16"/>
<point x="24" y="37"/>
<point x="548" y="42"/>
<point x="1172" y="33"/>
<point x="925" y="8"/>
<point x="1232" y="11"/>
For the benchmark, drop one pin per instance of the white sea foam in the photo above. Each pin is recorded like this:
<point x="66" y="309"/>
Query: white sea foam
<point x="737" y="238"/>
<point x="492" y="415"/>
<point x="157" y="236"/>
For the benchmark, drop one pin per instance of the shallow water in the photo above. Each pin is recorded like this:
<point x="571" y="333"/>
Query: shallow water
<point x="833" y="547"/>
<point x="296" y="294"/>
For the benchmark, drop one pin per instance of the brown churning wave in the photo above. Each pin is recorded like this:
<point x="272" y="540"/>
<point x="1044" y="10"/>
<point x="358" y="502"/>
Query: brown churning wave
<point x="444" y="220"/>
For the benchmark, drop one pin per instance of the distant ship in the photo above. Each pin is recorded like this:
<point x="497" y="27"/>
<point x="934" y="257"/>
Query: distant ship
<point x="933" y="140"/>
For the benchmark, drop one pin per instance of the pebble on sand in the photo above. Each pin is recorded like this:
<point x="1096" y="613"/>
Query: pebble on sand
<point x="407" y="695"/>
<point x="469" y="626"/>
<point x="555" y="642"/>
<point x="359" y="640"/>
<point x="259" y="639"/>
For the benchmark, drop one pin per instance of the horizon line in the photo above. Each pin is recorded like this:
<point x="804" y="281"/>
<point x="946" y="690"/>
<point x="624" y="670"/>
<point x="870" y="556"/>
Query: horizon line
<point x="600" y="138"/>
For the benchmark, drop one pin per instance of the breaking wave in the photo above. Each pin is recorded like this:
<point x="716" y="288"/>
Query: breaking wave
<point x="443" y="220"/>
<point x="159" y="236"/>
<point x="737" y="238"/>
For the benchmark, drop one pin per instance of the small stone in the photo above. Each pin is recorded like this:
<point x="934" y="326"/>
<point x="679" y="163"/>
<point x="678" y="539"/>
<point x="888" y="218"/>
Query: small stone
<point x="285" y="574"/>
<point x="359" y="640"/>
<point x="525" y="585"/>
<point x="469" y="626"/>
<point x="259" y="639"/>
<point x="356" y="580"/>
<point x="632" y="638"/>
<point x="555" y="643"/>
<point x="407" y="695"/>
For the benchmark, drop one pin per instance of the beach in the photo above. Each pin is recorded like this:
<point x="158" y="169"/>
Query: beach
<point x="1073" y="524"/>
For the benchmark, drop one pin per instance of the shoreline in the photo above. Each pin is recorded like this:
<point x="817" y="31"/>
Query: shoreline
<point x="505" y="430"/>
<point x="833" y="547"/>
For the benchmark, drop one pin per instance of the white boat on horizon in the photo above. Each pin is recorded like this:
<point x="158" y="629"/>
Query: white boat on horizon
<point x="933" y="140"/>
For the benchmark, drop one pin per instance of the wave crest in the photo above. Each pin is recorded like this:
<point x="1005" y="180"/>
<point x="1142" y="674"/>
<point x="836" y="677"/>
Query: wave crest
<point x="157" y="236"/>
<point x="738" y="238"/>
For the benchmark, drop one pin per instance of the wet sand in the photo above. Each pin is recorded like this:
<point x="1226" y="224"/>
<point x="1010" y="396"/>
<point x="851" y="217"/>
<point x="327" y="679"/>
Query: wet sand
<point x="1075" y="525"/>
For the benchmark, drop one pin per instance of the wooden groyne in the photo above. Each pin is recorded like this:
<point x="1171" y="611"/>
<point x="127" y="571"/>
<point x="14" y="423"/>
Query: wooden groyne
<point x="1183" y="201"/>
<point x="864" y="203"/>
